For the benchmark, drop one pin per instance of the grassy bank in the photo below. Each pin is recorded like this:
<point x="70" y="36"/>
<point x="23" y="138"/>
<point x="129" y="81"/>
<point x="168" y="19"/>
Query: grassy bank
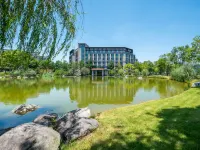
<point x="171" y="123"/>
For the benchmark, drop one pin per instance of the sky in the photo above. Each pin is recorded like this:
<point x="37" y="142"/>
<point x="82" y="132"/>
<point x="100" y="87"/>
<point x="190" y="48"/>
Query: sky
<point x="150" y="27"/>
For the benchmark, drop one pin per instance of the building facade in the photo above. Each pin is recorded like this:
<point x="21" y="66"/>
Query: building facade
<point x="101" y="56"/>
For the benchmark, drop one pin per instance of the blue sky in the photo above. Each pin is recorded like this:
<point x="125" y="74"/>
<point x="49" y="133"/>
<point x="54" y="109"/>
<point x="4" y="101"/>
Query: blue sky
<point x="150" y="27"/>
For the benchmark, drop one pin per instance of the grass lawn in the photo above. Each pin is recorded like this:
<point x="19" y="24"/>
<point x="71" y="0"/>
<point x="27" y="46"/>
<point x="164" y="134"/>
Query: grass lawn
<point x="167" y="124"/>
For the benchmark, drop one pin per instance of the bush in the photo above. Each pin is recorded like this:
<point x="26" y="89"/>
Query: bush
<point x="47" y="75"/>
<point x="2" y="74"/>
<point x="85" y="71"/>
<point x="30" y="73"/>
<point x="77" y="72"/>
<point x="183" y="73"/>
<point x="137" y="72"/>
<point x="59" y="73"/>
<point x="145" y="72"/>
<point x="70" y="72"/>
<point x="111" y="72"/>
<point x="15" y="73"/>
<point x="121" y="72"/>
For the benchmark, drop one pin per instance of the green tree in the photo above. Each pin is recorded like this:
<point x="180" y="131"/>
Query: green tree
<point x="85" y="71"/>
<point x="111" y="65"/>
<point x="129" y="69"/>
<point x="45" y="26"/>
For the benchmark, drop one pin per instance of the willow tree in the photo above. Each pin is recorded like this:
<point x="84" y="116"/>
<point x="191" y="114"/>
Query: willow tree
<point x="43" y="26"/>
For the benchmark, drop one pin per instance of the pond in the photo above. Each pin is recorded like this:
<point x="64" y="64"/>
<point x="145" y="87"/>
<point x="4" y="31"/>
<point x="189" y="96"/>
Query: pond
<point x="65" y="94"/>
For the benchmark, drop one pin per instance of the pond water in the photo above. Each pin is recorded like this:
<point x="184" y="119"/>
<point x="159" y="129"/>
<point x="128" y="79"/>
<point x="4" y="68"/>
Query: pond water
<point x="66" y="94"/>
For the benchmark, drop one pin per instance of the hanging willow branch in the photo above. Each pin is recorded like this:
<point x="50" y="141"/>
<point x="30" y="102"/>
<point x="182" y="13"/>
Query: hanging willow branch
<point x="43" y="26"/>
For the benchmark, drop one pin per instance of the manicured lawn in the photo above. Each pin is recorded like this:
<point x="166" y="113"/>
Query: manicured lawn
<point x="167" y="124"/>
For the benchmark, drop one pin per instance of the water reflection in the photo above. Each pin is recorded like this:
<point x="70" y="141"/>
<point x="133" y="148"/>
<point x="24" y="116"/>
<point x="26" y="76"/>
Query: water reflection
<point x="86" y="90"/>
<point x="62" y="95"/>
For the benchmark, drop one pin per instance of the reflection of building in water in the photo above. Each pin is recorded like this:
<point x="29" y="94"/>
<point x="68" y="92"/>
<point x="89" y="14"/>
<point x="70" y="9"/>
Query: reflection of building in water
<point x="110" y="91"/>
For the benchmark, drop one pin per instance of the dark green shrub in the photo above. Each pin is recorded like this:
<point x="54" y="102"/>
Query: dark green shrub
<point x="85" y="71"/>
<point x="15" y="73"/>
<point x="111" y="72"/>
<point x="59" y="73"/>
<point x="145" y="72"/>
<point x="183" y="73"/>
<point x="30" y="73"/>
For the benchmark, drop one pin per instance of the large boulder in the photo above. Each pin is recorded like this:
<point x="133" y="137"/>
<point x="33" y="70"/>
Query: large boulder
<point x="30" y="136"/>
<point x="75" y="124"/>
<point x="46" y="119"/>
<point x="81" y="112"/>
<point x="67" y="121"/>
<point x="80" y="128"/>
<point x="25" y="108"/>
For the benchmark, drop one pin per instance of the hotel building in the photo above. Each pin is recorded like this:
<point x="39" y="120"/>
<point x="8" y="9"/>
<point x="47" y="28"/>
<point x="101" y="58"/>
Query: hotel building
<point x="101" y="56"/>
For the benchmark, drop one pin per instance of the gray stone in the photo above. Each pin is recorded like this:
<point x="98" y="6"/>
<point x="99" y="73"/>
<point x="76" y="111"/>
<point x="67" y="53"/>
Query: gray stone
<point x="75" y="124"/>
<point x="81" y="112"/>
<point x="68" y="119"/>
<point x="30" y="136"/>
<point x="46" y="119"/>
<point x="79" y="127"/>
<point x="25" y="108"/>
<point x="196" y="84"/>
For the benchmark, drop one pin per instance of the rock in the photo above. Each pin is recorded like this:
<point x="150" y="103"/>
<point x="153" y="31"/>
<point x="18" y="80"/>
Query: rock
<point x="75" y="124"/>
<point x="81" y="112"/>
<point x="196" y="84"/>
<point x="76" y="128"/>
<point x="46" y="119"/>
<point x="25" y="108"/>
<point x="67" y="120"/>
<point x="2" y="131"/>
<point x="30" y="136"/>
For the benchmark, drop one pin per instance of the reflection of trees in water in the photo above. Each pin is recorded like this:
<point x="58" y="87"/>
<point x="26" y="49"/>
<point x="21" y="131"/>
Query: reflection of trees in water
<point x="105" y="91"/>
<point x="118" y="91"/>
<point x="18" y="91"/>
<point x="86" y="91"/>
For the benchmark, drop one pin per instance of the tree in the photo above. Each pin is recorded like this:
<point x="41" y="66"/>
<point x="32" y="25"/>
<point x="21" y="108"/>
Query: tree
<point x="81" y="64"/>
<point x="145" y="72"/>
<point x="44" y="26"/>
<point x="85" y="71"/>
<point x="44" y="64"/>
<point x="183" y="73"/>
<point x="89" y="64"/>
<point x="58" y="65"/>
<point x="129" y="69"/>
<point x="111" y="65"/>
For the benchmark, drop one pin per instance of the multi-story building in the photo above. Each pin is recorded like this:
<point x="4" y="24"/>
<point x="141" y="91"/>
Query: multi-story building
<point x="101" y="56"/>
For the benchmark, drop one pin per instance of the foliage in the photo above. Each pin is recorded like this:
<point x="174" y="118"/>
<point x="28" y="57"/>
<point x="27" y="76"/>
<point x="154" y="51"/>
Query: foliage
<point x="121" y="72"/>
<point x="145" y="72"/>
<point x="137" y="72"/>
<point x="44" y="26"/>
<point x="30" y="73"/>
<point x="85" y="71"/>
<point x="183" y="73"/>
<point x="59" y="73"/>
<point x="89" y="64"/>
<point x="15" y="73"/>
<point x="129" y="69"/>
<point x="77" y="72"/>
<point x="111" y="72"/>
<point x="111" y="65"/>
